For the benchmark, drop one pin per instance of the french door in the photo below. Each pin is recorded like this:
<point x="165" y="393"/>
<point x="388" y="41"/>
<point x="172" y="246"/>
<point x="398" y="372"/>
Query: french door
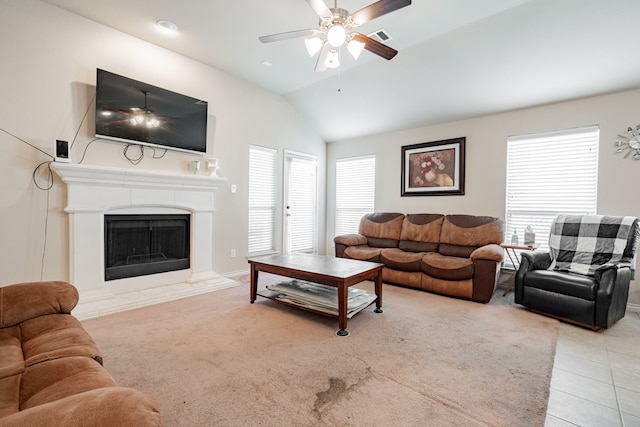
<point x="300" y="202"/>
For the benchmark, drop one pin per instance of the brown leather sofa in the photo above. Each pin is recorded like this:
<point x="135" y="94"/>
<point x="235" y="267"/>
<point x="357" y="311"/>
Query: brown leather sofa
<point x="51" y="371"/>
<point x="454" y="255"/>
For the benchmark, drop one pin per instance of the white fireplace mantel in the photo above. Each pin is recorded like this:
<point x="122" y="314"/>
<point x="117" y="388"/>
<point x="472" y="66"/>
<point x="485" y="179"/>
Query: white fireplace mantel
<point x="93" y="191"/>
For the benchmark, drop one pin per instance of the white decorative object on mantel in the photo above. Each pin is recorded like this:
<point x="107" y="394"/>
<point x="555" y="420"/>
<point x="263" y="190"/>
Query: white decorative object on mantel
<point x="194" y="166"/>
<point x="212" y="166"/>
<point x="93" y="191"/>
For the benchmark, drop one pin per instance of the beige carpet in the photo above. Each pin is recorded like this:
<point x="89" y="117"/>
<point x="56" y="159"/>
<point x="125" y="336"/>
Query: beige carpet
<point x="217" y="360"/>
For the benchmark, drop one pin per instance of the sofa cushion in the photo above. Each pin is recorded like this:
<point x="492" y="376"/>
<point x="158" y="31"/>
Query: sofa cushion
<point x="9" y="395"/>
<point x="56" y="335"/>
<point x="399" y="259"/>
<point x="456" y="250"/>
<point x="382" y="229"/>
<point x="571" y="284"/>
<point x="363" y="253"/>
<point x="446" y="267"/>
<point x="421" y="232"/>
<point x="11" y="359"/>
<point x="56" y="379"/>
<point x="23" y="301"/>
<point x="472" y="230"/>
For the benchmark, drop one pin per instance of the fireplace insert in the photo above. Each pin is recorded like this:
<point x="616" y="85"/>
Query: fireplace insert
<point x="138" y="245"/>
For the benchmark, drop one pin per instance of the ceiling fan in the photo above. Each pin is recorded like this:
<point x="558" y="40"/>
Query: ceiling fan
<point x="335" y="30"/>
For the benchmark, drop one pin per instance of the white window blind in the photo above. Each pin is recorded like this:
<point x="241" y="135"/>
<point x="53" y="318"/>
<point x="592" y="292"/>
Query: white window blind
<point x="262" y="200"/>
<point x="355" y="192"/>
<point x="549" y="174"/>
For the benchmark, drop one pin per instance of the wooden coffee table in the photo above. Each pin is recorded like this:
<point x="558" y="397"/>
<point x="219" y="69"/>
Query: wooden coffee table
<point x="340" y="273"/>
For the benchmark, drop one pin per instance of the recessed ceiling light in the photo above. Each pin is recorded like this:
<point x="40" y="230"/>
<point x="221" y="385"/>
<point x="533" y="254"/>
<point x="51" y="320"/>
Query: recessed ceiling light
<point x="167" y="26"/>
<point x="267" y="63"/>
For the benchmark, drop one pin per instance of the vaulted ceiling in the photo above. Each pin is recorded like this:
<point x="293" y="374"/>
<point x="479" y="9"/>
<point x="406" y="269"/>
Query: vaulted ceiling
<point x="457" y="58"/>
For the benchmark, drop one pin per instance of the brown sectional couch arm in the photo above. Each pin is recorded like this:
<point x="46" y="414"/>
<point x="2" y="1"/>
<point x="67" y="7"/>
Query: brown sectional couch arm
<point x="491" y="252"/>
<point x="346" y="240"/>
<point x="24" y="301"/>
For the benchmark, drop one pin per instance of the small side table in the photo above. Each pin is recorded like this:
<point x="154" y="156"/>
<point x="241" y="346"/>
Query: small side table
<point x="513" y="257"/>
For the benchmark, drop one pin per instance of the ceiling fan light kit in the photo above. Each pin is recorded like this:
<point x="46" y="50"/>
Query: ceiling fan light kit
<point x="335" y="30"/>
<point x="336" y="36"/>
<point x="333" y="59"/>
<point x="313" y="45"/>
<point x="355" y="48"/>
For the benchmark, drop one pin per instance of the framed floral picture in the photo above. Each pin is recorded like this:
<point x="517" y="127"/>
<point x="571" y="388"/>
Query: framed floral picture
<point x="433" y="168"/>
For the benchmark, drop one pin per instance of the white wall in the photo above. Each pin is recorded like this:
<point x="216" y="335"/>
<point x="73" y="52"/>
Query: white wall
<point x="486" y="147"/>
<point x="47" y="81"/>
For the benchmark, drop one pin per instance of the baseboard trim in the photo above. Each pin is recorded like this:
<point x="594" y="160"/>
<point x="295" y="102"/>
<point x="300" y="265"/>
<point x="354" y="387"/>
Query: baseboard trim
<point x="634" y="308"/>
<point x="232" y="274"/>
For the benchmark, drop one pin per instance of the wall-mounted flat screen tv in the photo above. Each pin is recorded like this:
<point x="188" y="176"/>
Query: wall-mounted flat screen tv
<point x="134" y="112"/>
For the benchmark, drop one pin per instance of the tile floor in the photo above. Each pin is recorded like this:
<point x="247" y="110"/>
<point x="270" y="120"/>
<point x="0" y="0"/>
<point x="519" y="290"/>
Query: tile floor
<point x="596" y="376"/>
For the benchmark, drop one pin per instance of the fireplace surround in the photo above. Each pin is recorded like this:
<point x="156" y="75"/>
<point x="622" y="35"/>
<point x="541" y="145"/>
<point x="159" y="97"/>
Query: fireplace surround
<point x="94" y="192"/>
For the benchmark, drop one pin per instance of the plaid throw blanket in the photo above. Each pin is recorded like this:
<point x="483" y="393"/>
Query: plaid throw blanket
<point x="582" y="243"/>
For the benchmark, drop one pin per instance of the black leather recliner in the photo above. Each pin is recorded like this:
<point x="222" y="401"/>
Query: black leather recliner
<point x="595" y="301"/>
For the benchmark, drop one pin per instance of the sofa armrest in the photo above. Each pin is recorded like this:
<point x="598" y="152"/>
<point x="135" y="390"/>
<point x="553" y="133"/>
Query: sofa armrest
<point x="351" y="239"/>
<point x="109" y="406"/>
<point x="344" y="241"/>
<point x="490" y="252"/>
<point x="24" y="301"/>
<point x="612" y="293"/>
<point x="600" y="271"/>
<point x="534" y="260"/>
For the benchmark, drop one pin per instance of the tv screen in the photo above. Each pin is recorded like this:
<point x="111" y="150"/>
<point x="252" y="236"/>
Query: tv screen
<point x="134" y="112"/>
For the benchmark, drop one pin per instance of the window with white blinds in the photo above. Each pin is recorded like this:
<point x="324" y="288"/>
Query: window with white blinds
<point x="355" y="192"/>
<point x="549" y="174"/>
<point x="262" y="200"/>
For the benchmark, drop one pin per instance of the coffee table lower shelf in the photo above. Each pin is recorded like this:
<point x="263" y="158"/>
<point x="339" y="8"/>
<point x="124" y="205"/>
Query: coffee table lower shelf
<point x="273" y="295"/>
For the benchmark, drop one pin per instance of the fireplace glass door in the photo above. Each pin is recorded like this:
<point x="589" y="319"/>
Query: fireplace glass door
<point x="138" y="245"/>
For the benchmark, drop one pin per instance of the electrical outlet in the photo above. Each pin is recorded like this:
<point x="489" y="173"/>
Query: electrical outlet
<point x="233" y="188"/>
<point x="232" y="253"/>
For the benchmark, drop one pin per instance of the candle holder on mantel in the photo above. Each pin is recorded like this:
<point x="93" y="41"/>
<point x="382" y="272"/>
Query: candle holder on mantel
<point x="212" y="165"/>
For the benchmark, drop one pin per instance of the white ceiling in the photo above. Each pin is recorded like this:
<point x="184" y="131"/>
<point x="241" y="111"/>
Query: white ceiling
<point x="457" y="58"/>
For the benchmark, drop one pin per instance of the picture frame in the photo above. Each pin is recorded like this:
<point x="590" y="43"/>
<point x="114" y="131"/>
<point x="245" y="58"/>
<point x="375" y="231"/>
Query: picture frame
<point x="434" y="168"/>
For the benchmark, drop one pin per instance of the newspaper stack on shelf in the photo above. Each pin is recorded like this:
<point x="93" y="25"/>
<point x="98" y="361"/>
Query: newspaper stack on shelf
<point x="320" y="297"/>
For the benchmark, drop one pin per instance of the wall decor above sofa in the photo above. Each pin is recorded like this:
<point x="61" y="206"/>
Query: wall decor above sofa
<point x="433" y="168"/>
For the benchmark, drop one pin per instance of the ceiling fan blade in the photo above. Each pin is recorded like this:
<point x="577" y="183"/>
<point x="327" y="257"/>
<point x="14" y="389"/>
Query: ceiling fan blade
<point x="321" y="8"/>
<point x="377" y="9"/>
<point x="289" y="35"/>
<point x="375" y="46"/>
